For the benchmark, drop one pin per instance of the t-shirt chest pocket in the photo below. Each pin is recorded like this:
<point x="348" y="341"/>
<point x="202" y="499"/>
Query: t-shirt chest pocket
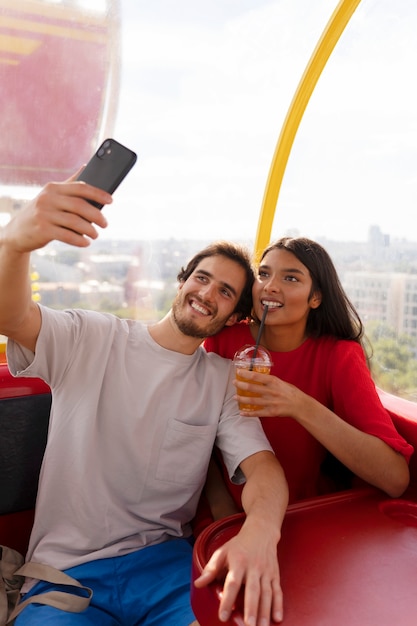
<point x="185" y="452"/>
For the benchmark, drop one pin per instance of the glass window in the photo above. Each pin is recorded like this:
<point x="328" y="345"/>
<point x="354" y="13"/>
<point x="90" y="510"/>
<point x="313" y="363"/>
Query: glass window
<point x="200" y="91"/>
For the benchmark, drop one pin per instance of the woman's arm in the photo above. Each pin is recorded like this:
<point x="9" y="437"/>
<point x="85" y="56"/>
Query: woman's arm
<point x="366" y="455"/>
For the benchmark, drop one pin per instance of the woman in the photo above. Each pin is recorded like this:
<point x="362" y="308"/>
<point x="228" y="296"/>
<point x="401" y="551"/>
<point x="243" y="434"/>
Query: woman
<point x="320" y="397"/>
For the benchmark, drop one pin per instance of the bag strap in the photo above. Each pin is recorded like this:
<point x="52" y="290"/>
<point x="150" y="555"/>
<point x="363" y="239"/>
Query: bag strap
<point x="10" y="585"/>
<point x="64" y="600"/>
<point x="40" y="571"/>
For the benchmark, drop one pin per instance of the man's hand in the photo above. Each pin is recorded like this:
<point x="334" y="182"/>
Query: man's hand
<point x="60" y="212"/>
<point x="249" y="559"/>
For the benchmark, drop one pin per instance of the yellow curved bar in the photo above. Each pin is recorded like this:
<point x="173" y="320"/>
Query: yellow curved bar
<point x="315" y="66"/>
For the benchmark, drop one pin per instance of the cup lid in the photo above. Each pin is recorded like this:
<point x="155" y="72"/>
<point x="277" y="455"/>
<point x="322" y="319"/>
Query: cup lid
<point x="255" y="354"/>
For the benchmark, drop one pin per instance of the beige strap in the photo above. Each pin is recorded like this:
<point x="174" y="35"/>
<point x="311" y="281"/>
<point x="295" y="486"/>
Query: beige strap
<point x="10" y="584"/>
<point x="64" y="600"/>
<point x="40" y="571"/>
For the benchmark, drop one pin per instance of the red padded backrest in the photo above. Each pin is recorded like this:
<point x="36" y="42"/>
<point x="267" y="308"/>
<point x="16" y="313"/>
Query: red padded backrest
<point x="24" y="418"/>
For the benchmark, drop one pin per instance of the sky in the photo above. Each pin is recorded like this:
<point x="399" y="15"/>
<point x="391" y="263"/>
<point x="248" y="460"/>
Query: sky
<point x="205" y="88"/>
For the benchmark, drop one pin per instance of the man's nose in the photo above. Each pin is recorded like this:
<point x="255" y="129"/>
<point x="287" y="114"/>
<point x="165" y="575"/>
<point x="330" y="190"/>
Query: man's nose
<point x="207" y="291"/>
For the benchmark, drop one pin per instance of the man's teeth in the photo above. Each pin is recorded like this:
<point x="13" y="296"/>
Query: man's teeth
<point x="272" y="305"/>
<point x="199" y="308"/>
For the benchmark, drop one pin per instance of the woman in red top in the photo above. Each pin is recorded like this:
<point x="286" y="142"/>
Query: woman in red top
<point x="320" y="397"/>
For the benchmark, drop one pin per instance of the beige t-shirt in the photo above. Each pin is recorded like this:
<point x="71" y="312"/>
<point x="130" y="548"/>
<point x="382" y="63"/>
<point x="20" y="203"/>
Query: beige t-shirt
<point x="131" y="433"/>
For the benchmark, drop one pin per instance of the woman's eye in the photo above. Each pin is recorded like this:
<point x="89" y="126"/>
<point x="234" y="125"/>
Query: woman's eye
<point x="292" y="279"/>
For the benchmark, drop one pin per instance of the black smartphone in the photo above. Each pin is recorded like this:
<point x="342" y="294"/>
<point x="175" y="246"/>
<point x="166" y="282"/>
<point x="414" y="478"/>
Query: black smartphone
<point x="108" y="167"/>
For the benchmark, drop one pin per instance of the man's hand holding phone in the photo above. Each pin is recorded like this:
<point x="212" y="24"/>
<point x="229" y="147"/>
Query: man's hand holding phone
<point x="67" y="211"/>
<point x="61" y="212"/>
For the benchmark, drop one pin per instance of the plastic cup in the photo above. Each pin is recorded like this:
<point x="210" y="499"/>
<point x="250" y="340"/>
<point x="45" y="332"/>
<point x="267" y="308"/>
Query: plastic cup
<point x="256" y="359"/>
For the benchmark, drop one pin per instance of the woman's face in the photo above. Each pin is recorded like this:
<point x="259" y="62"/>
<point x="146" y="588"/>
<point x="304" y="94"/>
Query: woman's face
<point x="284" y="284"/>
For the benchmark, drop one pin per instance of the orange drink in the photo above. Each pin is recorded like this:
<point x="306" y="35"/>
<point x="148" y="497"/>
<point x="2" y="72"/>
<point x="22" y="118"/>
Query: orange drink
<point x="256" y="359"/>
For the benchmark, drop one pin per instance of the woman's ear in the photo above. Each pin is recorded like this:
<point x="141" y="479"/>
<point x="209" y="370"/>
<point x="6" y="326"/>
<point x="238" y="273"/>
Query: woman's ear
<point x="315" y="300"/>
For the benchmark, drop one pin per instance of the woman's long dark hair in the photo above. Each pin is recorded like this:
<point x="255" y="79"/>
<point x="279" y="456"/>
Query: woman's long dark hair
<point x="336" y="315"/>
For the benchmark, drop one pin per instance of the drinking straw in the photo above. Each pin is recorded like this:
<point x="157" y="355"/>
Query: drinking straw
<point x="258" y="338"/>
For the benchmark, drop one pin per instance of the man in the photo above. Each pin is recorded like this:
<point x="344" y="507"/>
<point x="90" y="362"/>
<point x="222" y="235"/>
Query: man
<point x="136" y="412"/>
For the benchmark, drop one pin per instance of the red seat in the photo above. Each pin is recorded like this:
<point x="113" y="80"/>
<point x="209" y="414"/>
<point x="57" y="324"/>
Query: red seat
<point x="348" y="558"/>
<point x="24" y="413"/>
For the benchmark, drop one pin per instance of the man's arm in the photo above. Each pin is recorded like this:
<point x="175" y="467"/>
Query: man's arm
<point x="250" y="558"/>
<point x="60" y="212"/>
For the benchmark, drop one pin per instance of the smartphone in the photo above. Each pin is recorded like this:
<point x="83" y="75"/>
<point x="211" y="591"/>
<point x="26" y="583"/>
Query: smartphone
<point x="108" y="167"/>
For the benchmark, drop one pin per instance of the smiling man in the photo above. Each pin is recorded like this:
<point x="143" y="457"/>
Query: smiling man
<point x="136" y="412"/>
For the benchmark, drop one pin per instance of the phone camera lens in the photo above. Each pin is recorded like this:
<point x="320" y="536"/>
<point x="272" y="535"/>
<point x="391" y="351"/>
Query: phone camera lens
<point x="100" y="152"/>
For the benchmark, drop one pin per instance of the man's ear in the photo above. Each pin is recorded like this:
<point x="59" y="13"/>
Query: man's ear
<point x="315" y="300"/>
<point x="233" y="319"/>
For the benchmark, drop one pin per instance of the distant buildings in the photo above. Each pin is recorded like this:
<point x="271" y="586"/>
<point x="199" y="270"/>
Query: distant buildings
<point x="387" y="297"/>
<point x="380" y="276"/>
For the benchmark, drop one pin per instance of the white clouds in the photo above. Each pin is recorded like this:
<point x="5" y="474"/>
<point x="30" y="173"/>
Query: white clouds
<point x="205" y="97"/>
<point x="205" y="90"/>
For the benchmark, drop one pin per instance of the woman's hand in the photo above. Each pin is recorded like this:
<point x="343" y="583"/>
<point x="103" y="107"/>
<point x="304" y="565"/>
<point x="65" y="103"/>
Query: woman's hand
<point x="274" y="397"/>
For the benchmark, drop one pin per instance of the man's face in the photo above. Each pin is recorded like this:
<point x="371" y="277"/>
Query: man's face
<point x="206" y="300"/>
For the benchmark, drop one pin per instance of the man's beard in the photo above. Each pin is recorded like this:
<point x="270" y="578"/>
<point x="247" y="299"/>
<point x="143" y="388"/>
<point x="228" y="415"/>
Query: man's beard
<point x="189" y="327"/>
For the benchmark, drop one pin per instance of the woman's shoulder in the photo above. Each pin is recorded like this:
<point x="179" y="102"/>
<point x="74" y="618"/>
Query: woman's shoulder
<point x="339" y="349"/>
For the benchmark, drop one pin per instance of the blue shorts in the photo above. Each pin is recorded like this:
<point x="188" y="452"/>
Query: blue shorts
<point x="149" y="587"/>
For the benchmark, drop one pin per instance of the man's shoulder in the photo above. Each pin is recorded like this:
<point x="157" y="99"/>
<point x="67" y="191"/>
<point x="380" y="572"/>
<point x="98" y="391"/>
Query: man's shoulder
<point x="212" y="359"/>
<point x="82" y="316"/>
<point x="89" y="326"/>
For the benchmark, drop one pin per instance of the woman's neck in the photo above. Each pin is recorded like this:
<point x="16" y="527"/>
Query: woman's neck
<point x="279" y="338"/>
